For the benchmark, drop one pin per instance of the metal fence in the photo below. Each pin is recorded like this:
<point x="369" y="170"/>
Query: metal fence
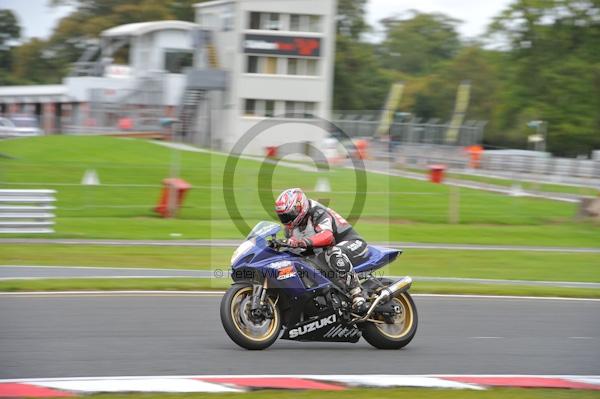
<point x="415" y="130"/>
<point x="27" y="211"/>
<point x="139" y="109"/>
<point x="497" y="162"/>
<point x="542" y="165"/>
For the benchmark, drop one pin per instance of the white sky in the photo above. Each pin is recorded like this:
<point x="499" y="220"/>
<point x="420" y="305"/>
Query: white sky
<point x="475" y="14"/>
<point x="38" y="19"/>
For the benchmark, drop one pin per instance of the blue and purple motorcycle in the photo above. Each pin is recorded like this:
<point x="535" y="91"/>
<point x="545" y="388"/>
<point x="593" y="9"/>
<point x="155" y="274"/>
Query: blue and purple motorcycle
<point x="278" y="292"/>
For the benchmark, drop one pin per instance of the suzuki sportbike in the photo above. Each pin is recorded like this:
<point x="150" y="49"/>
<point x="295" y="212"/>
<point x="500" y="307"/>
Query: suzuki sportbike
<point x="278" y="292"/>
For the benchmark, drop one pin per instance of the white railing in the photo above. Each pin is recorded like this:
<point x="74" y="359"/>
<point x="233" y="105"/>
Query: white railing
<point x="27" y="211"/>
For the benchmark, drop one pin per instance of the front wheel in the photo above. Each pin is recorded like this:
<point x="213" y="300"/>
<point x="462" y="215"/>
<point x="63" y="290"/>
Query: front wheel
<point x="243" y="329"/>
<point x="397" y="332"/>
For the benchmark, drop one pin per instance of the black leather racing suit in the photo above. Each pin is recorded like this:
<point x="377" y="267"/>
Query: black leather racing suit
<point x="345" y="249"/>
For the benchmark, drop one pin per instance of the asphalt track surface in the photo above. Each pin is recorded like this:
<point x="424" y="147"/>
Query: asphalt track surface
<point x="93" y="334"/>
<point x="13" y="272"/>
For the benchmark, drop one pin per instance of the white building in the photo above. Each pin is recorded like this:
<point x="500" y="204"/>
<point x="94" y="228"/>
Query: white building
<point x="243" y="61"/>
<point x="162" y="48"/>
<point x="280" y="55"/>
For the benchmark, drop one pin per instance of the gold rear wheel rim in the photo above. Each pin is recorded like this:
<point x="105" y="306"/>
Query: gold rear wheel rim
<point x="402" y="323"/>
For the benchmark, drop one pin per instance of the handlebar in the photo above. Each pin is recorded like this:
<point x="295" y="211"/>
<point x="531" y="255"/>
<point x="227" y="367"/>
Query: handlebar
<point x="277" y="243"/>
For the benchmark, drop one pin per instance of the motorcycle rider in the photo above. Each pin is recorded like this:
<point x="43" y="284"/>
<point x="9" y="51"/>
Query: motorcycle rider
<point x="310" y="225"/>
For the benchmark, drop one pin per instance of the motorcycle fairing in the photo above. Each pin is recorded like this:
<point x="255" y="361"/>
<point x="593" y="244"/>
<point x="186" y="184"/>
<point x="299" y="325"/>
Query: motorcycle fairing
<point x="327" y="326"/>
<point x="378" y="258"/>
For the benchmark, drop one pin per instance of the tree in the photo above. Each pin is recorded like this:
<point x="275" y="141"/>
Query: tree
<point x="360" y="83"/>
<point x="34" y="63"/>
<point x="10" y="31"/>
<point x="351" y="18"/>
<point x="9" y="27"/>
<point x="418" y="43"/>
<point x="433" y="96"/>
<point x="554" y="64"/>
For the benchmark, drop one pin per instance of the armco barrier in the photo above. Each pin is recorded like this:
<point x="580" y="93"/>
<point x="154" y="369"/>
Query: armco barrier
<point x="27" y="211"/>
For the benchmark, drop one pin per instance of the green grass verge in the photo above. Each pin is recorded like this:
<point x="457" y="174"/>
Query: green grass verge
<point x="187" y="284"/>
<point x="510" y="265"/>
<point x="131" y="172"/>
<point x="403" y="393"/>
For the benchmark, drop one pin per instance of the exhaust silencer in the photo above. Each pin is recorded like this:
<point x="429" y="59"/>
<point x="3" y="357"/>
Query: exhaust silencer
<point x="388" y="292"/>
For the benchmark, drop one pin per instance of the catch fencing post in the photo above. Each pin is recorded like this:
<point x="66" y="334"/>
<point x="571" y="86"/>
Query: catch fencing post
<point x="454" y="205"/>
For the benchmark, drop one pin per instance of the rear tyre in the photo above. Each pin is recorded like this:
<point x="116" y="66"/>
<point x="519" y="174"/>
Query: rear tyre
<point x="240" y="326"/>
<point x="398" y="334"/>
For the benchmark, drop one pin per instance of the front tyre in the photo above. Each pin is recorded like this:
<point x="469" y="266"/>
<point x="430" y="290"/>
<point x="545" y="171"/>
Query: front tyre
<point x="395" y="333"/>
<point x="242" y="328"/>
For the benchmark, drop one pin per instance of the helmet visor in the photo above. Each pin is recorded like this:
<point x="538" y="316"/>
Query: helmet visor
<point x="286" y="218"/>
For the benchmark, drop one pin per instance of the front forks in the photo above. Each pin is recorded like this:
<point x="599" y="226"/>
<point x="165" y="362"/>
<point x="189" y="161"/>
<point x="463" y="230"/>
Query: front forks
<point x="259" y="308"/>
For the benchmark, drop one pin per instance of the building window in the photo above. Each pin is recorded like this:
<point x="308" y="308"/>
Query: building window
<point x="176" y="61"/>
<point x="309" y="109"/>
<point x="292" y="109"/>
<point x="314" y="23"/>
<point x="292" y="66"/>
<point x="311" y="67"/>
<point x="227" y="18"/>
<point x="305" y="23"/>
<point x="252" y="65"/>
<point x="250" y="107"/>
<point x="273" y="23"/>
<point x="295" y="22"/>
<point x="266" y="21"/>
<point x="282" y="65"/>
<point x="269" y="108"/>
<point x="289" y="107"/>
<point x="270" y="65"/>
<point x="254" y="20"/>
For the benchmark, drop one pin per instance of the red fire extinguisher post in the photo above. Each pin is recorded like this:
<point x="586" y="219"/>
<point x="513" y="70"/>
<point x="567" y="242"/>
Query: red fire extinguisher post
<point x="174" y="188"/>
<point x="172" y="196"/>
<point x="436" y="173"/>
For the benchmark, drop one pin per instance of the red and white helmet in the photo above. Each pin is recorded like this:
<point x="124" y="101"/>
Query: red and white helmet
<point x="292" y="206"/>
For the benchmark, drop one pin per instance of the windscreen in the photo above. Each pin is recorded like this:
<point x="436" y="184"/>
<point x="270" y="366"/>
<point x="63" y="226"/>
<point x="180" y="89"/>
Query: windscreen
<point x="264" y="229"/>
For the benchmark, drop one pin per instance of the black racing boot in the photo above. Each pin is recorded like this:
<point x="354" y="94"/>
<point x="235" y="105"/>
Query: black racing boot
<point x="359" y="303"/>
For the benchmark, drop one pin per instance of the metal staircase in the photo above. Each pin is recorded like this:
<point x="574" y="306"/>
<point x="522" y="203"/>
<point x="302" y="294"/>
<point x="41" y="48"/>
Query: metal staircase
<point x="188" y="111"/>
<point x="84" y="65"/>
<point x="194" y="109"/>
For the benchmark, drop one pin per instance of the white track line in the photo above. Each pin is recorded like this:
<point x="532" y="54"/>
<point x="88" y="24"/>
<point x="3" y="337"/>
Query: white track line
<point x="98" y="277"/>
<point x="320" y="376"/>
<point x="105" y="267"/>
<point x="220" y="292"/>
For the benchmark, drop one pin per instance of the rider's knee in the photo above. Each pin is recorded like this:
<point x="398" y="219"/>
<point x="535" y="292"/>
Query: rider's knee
<point x="338" y="260"/>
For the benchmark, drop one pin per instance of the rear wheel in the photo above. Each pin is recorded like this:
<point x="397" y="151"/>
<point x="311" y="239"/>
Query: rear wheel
<point x="397" y="331"/>
<point x="245" y="330"/>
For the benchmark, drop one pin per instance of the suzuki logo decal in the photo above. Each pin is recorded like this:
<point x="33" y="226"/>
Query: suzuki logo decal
<point x="315" y="325"/>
